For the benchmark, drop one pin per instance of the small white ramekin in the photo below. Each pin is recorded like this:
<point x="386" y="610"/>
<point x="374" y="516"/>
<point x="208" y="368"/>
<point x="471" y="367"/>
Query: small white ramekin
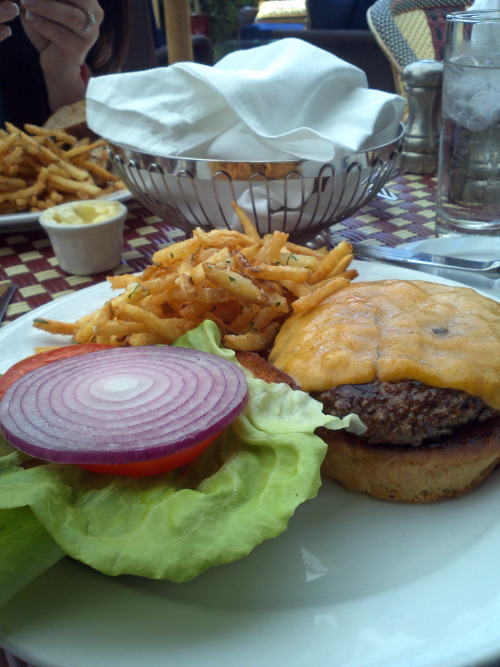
<point x="92" y="247"/>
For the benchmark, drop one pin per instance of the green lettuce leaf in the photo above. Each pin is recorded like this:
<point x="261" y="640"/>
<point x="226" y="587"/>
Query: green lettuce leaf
<point x="242" y="490"/>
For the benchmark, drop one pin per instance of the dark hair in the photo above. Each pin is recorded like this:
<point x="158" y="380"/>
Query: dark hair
<point x="108" y="53"/>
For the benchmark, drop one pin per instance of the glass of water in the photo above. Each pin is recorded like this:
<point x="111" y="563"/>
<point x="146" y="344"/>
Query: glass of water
<point x="468" y="196"/>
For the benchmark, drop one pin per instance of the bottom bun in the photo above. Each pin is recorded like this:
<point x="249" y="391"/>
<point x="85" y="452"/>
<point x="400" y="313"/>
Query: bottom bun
<point x="445" y="469"/>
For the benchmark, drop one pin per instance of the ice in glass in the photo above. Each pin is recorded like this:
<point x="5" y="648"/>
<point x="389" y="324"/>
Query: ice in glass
<point x="468" y="199"/>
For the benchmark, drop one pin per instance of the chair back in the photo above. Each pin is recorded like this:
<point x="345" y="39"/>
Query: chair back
<point x="410" y="30"/>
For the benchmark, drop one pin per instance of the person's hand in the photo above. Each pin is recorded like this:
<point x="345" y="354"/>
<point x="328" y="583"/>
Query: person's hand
<point x="8" y="11"/>
<point x="62" y="32"/>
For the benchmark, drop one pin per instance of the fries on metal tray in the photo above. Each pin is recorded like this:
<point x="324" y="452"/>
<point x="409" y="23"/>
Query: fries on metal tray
<point x="246" y="284"/>
<point x="40" y="168"/>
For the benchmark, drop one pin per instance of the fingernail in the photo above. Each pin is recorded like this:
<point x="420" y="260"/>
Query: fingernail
<point x="11" y="10"/>
<point x="29" y="15"/>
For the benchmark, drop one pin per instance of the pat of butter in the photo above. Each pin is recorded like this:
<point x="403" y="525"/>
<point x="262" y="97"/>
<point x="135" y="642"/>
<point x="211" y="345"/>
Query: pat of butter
<point x="83" y="213"/>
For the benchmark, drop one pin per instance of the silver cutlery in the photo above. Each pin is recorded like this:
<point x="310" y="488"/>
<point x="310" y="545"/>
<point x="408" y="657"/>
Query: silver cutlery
<point x="412" y="258"/>
<point x="6" y="293"/>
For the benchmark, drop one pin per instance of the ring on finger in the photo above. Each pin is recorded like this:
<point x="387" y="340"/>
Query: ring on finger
<point x="89" y="22"/>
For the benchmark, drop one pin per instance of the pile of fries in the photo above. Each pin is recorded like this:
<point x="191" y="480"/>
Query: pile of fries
<point x="40" y="168"/>
<point x="246" y="284"/>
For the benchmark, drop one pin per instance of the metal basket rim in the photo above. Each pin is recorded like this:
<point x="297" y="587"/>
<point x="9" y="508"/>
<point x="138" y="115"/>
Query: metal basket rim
<point x="298" y="162"/>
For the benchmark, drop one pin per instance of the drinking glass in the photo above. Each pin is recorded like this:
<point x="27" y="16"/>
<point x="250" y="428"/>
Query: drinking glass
<point x="468" y="195"/>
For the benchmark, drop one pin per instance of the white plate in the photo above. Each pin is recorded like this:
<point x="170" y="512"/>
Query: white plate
<point x="353" y="582"/>
<point x="466" y="247"/>
<point x="23" y="222"/>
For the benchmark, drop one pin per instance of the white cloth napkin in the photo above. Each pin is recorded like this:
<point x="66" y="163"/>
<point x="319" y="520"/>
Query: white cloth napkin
<point x="285" y="100"/>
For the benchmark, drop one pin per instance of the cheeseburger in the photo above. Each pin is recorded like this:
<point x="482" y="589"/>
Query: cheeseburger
<point x="419" y="363"/>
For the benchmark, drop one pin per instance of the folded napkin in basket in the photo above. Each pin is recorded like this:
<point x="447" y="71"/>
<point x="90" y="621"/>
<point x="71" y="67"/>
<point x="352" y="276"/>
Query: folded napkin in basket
<point x="285" y="100"/>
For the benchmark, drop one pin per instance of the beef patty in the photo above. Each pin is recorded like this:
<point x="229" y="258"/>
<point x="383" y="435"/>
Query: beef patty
<point x="404" y="413"/>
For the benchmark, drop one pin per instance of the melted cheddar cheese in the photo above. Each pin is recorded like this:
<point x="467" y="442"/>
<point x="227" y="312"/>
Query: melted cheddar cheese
<point x="394" y="330"/>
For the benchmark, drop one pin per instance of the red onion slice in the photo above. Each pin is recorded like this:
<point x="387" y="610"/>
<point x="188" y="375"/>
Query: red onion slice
<point x="123" y="405"/>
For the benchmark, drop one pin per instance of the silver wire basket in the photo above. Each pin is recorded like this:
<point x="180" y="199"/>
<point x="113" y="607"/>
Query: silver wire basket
<point x="300" y="197"/>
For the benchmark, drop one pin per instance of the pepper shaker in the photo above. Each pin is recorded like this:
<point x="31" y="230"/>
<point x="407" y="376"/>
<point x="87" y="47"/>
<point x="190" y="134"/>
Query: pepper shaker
<point x="422" y="81"/>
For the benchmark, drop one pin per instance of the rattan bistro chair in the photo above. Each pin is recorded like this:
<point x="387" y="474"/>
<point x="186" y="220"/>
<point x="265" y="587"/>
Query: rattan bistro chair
<point x="410" y="30"/>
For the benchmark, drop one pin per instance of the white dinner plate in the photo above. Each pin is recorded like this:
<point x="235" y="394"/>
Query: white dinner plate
<point x="468" y="246"/>
<point x="352" y="582"/>
<point x="23" y="222"/>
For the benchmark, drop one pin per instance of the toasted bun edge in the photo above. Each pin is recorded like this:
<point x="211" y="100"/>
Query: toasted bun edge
<point x="414" y="474"/>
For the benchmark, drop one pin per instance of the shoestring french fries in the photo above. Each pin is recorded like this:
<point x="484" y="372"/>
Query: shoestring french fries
<point x="40" y="168"/>
<point x="247" y="284"/>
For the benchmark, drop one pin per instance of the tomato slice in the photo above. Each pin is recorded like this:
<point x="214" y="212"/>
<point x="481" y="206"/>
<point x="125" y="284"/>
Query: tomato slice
<point x="153" y="467"/>
<point x="36" y="360"/>
<point x="137" y="469"/>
